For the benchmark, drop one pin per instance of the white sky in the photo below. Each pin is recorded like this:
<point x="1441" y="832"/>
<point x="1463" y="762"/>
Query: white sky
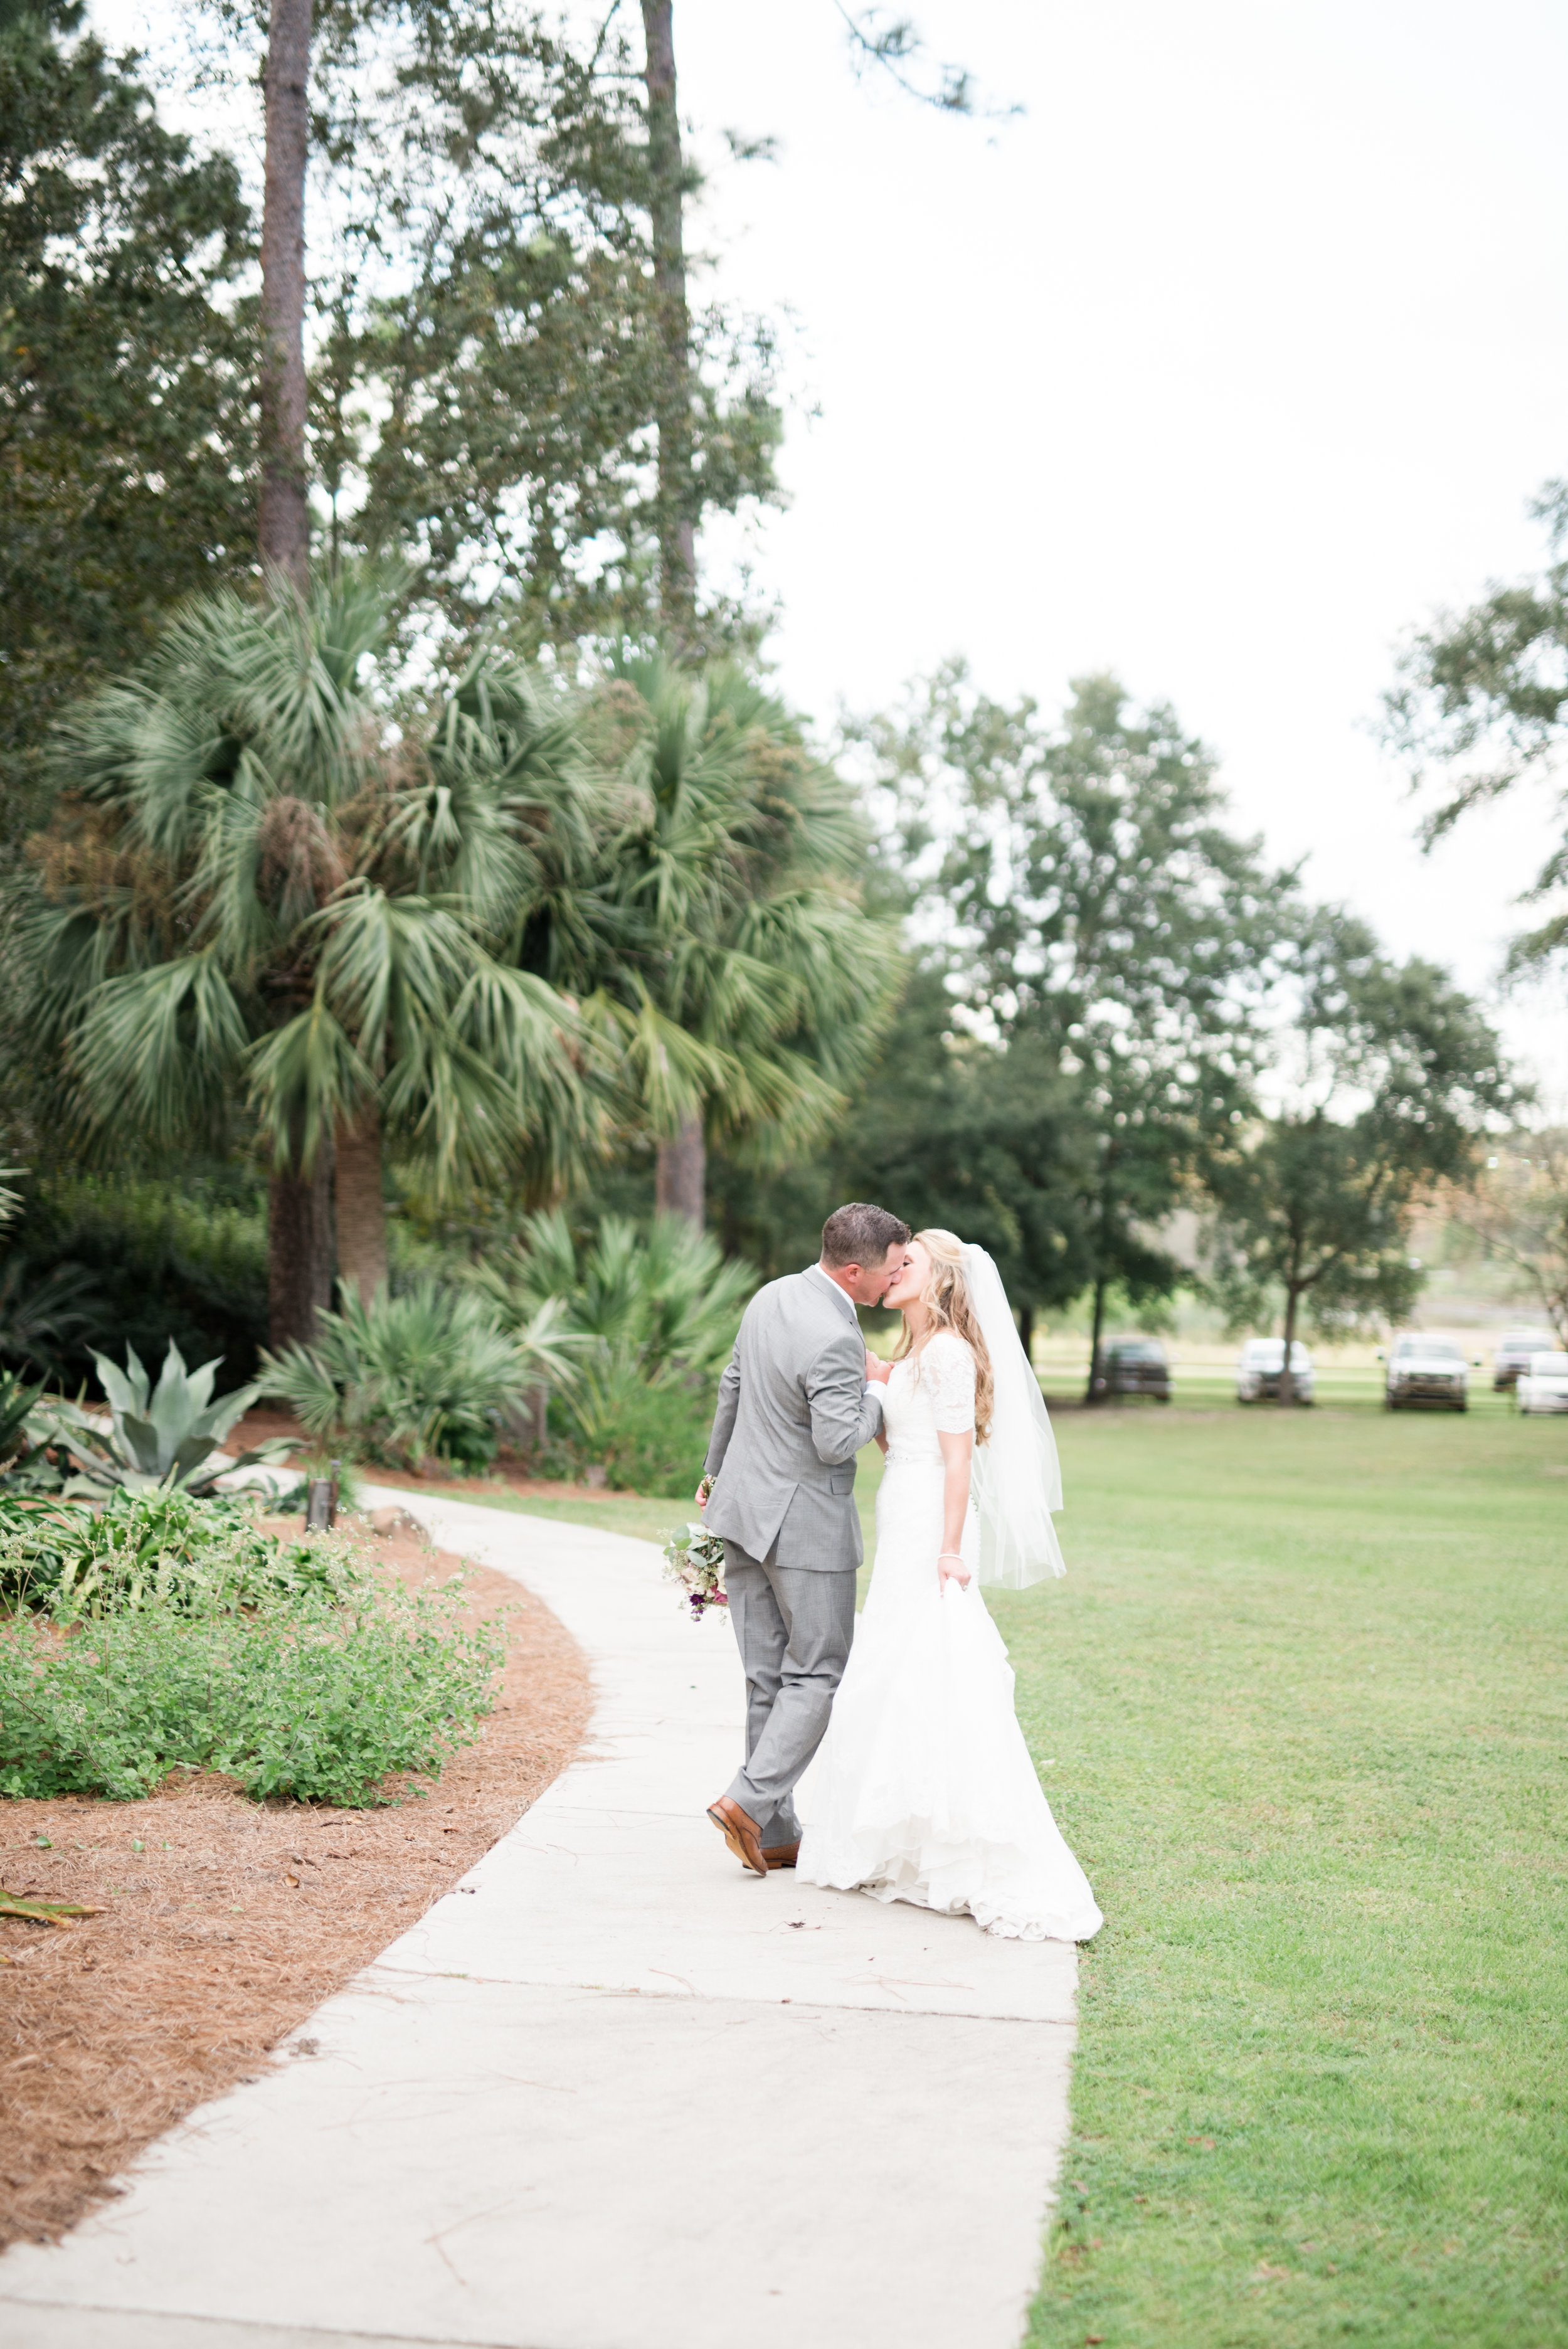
<point x="1237" y="353"/>
<point x="1243" y="349"/>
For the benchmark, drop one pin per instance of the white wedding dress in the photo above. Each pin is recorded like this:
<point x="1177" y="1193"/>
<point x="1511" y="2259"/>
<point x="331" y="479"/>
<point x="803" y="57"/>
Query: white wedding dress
<point x="923" y="1789"/>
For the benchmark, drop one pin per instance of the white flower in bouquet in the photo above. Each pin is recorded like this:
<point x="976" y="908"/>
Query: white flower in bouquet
<point x="695" y="1559"/>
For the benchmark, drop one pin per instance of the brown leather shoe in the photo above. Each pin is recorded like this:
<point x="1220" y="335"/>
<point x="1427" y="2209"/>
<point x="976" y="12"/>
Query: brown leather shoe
<point x="783" y="1855"/>
<point x="740" y="1832"/>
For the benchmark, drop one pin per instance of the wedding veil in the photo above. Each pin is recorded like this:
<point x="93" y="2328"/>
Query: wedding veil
<point x="1017" y="1481"/>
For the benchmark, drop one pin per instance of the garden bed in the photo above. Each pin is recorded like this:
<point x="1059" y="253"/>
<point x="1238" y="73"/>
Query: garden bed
<point x="227" y="1923"/>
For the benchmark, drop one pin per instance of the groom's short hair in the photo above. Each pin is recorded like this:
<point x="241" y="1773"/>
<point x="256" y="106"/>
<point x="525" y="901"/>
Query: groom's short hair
<point x="860" y="1234"/>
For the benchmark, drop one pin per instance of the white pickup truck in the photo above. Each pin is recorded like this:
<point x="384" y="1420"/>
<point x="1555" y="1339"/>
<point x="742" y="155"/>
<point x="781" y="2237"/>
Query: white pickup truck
<point x="1545" y="1386"/>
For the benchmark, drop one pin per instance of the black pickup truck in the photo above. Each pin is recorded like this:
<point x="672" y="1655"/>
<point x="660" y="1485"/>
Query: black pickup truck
<point x="1133" y="1366"/>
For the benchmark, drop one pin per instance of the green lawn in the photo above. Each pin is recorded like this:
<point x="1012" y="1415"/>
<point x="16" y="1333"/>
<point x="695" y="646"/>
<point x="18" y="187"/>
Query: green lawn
<point x="1300" y="1707"/>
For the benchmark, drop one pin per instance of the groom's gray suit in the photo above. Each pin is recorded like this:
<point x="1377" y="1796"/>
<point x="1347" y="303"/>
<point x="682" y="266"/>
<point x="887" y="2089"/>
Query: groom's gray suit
<point x="794" y="1408"/>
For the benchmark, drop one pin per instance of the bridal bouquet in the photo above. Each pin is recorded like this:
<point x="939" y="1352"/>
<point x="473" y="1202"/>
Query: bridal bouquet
<point x="695" y="1559"/>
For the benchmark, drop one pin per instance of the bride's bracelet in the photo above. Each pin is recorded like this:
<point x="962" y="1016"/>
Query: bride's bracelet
<point x="958" y="1554"/>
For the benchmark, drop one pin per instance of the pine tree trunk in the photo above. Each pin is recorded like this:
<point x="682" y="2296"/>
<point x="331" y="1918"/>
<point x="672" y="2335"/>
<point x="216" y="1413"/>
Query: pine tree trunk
<point x="299" y="1252"/>
<point x="1026" y="1332"/>
<point x="361" y="1209"/>
<point x="681" y="1176"/>
<point x="676" y="487"/>
<point x="1100" y="1290"/>
<point x="284" y="520"/>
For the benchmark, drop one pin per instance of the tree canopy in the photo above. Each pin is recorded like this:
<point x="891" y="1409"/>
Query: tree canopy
<point x="1519" y="1210"/>
<point x="722" y="946"/>
<point x="126" y="434"/>
<point x="1482" y="695"/>
<point x="1096" y="908"/>
<point x="258" y="882"/>
<point x="490" y="375"/>
<point x="1392" y="1076"/>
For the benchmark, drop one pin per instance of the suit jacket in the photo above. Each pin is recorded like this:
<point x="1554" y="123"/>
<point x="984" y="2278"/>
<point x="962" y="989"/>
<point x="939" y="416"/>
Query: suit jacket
<point x="793" y="1411"/>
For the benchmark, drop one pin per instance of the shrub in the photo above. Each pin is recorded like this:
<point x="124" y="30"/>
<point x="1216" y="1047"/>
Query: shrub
<point x="67" y="1557"/>
<point x="431" y="1371"/>
<point x="97" y="1260"/>
<point x="653" y="1318"/>
<point x="42" y="1312"/>
<point x="17" y="1402"/>
<point x="650" y="1435"/>
<point x="665" y="1300"/>
<point x="316" y="1697"/>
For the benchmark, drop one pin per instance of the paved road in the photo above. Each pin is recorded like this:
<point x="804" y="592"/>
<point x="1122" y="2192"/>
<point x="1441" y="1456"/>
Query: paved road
<point x="613" y="2093"/>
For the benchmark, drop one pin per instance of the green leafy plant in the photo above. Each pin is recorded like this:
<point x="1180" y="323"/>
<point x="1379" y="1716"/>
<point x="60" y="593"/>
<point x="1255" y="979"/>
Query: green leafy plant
<point x="17" y="1402"/>
<point x="430" y="1371"/>
<point x="169" y="1544"/>
<point x="648" y="1435"/>
<point x="165" y="1434"/>
<point x="737" y="987"/>
<point x="653" y="1317"/>
<point x="42" y="1308"/>
<point x="669" y="1297"/>
<point x="307" y="1695"/>
<point x="148" y="1258"/>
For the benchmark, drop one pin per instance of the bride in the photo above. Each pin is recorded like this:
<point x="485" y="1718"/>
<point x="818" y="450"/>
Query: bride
<point x="924" y="1789"/>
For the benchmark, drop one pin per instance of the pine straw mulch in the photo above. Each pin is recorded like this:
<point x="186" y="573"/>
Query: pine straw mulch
<point x="232" y="1921"/>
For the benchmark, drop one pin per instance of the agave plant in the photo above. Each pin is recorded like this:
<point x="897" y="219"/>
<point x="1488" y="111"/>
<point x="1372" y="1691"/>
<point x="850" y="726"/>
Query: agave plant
<point x="163" y="1435"/>
<point x="430" y="1370"/>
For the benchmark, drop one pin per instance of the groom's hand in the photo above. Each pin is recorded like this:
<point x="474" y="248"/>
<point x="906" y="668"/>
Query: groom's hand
<point x="703" y="1490"/>
<point x="877" y="1370"/>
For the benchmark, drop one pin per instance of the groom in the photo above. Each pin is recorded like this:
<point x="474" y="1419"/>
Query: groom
<point x="794" y="1408"/>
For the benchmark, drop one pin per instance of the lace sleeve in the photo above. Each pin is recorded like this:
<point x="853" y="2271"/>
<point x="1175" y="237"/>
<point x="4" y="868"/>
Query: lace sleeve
<point x="948" y="1375"/>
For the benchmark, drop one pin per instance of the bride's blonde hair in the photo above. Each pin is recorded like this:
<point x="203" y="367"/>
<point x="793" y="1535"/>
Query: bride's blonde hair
<point x="946" y="1300"/>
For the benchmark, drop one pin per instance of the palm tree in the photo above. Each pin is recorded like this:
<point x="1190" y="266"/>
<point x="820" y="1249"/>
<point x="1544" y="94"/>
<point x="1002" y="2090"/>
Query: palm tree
<point x="263" y="879"/>
<point x="722" y="954"/>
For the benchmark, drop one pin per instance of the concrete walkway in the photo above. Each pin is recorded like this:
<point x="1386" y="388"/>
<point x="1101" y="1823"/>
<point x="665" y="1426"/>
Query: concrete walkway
<point x="613" y="2093"/>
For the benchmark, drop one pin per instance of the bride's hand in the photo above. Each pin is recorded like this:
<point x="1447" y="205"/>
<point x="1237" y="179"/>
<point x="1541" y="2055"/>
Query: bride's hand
<point x="950" y="1568"/>
<point x="876" y="1368"/>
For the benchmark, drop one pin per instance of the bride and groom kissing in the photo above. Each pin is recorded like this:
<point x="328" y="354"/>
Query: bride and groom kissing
<point x="920" y="1787"/>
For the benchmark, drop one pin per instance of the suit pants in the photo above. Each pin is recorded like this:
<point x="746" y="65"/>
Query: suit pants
<point x="794" y="1625"/>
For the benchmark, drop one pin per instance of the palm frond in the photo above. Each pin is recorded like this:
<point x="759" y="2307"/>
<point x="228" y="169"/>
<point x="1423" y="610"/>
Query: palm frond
<point x="659" y="1067"/>
<point x="308" y="861"/>
<point x="305" y="1080"/>
<point x="432" y="1370"/>
<point x="645" y="1303"/>
<point x="162" y="1047"/>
